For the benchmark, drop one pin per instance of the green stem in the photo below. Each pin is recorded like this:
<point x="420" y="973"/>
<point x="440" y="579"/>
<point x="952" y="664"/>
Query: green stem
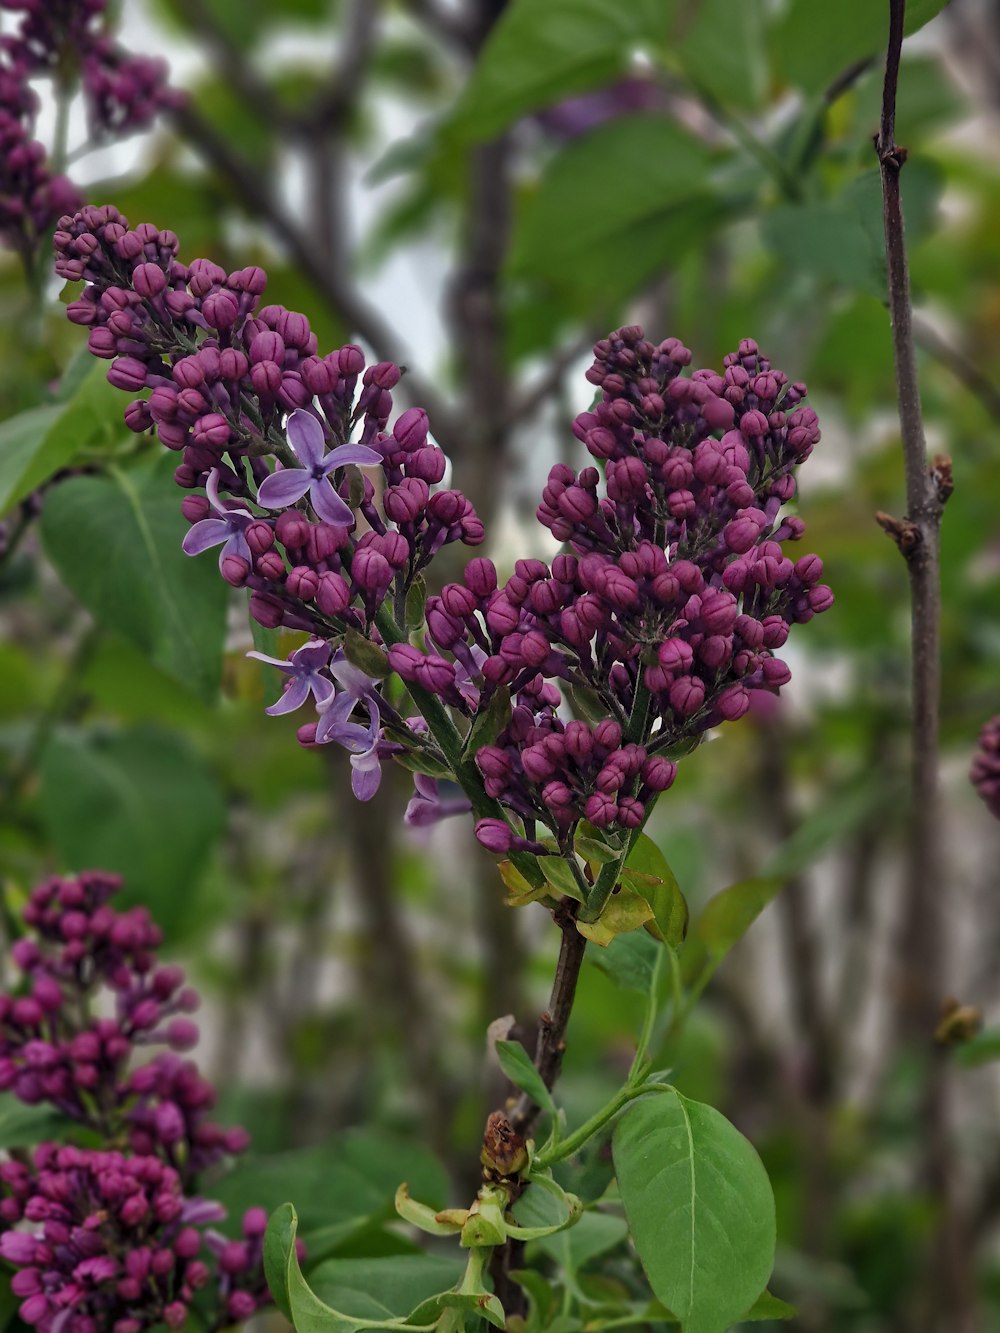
<point x="649" y="1022"/>
<point x="448" y="738"/>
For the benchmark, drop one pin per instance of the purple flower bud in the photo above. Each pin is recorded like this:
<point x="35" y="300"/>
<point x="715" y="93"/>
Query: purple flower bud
<point x="493" y="834"/>
<point x="127" y="373"/>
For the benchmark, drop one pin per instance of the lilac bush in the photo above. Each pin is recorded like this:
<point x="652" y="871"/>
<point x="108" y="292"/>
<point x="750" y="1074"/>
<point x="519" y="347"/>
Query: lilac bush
<point x="113" y="1237"/>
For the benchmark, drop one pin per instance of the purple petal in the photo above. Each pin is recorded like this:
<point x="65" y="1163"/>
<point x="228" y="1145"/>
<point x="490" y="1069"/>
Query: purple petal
<point x="366" y="774"/>
<point x="351" y="453"/>
<point x="333" y="718"/>
<point x="306" y="437"/>
<point x="294" y="697"/>
<point x="351" y="678"/>
<point x="321" y="687"/>
<point x="207" y="532"/>
<point x="283" y="488"/>
<point x="236" y="545"/>
<point x="278" y="662"/>
<point x="329" y="506"/>
<point x="312" y="655"/>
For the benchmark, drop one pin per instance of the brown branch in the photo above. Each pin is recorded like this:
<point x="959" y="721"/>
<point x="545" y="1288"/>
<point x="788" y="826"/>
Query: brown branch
<point x="231" y="63"/>
<point x="965" y="371"/>
<point x="337" y="102"/>
<point x="923" y="944"/>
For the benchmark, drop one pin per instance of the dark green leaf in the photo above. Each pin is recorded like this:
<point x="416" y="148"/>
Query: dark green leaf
<point x="516" y="1064"/>
<point x="22" y="1126"/>
<point x="343" y="1187"/>
<point x="603" y="242"/>
<point x="595" y="1233"/>
<point x="559" y="874"/>
<point x="383" y="1288"/>
<point x="814" y="43"/>
<point x="733" y="71"/>
<point x="699" y="1207"/>
<point x="629" y="961"/>
<point x="116" y="543"/>
<point x="767" y="1307"/>
<point x="141" y="803"/>
<point x="538" y="54"/>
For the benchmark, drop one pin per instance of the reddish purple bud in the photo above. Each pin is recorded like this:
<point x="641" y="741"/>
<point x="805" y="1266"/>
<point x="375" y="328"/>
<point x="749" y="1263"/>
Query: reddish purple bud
<point x="496" y="836"/>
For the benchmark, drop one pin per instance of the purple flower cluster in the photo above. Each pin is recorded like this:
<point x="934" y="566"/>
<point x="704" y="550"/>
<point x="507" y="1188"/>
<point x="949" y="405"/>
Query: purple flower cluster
<point x="31" y="197"/>
<point x="670" y="604"/>
<point x="224" y="373"/>
<point x="115" y="1246"/>
<point x="658" y="622"/>
<point x="985" y="771"/>
<point x="117" y="1242"/>
<point x="123" y="93"/>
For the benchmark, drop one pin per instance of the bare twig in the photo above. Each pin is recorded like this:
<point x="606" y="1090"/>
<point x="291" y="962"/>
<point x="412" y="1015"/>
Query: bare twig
<point x="231" y="63"/>
<point x="965" y="371"/>
<point x="923" y="946"/>
<point x="337" y="102"/>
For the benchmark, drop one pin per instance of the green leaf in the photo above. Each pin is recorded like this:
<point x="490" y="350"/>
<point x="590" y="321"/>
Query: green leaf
<point x="341" y="1188"/>
<point x="733" y="71"/>
<point x="724" y="920"/>
<point x="577" y="233"/>
<point x="384" y="1288"/>
<point x="22" y="1126"/>
<point x="629" y="960"/>
<point x="516" y="1064"/>
<point x="699" y="1207"/>
<point x="115" y="541"/>
<point x="814" y="43"/>
<point x="292" y="1293"/>
<point x="141" y="803"/>
<point x="625" y="911"/>
<point x="489" y="723"/>
<point x="982" y="1049"/>
<point x="539" y="54"/>
<point x="594" y="1234"/>
<point x="660" y="890"/>
<point x="365" y="655"/>
<point x="767" y="1307"/>
<point x="559" y="874"/>
<point x="22" y="441"/>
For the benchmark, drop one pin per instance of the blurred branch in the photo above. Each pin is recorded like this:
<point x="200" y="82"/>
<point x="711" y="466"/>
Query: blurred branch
<point x="965" y="371"/>
<point x="229" y="62"/>
<point x="550" y="382"/>
<point x="947" y="1290"/>
<point x="340" y="294"/>
<point x="335" y="106"/>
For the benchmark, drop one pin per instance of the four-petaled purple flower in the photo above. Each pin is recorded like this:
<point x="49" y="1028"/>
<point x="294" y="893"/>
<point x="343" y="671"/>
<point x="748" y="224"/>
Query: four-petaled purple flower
<point x="304" y="669"/>
<point x="360" y="741"/>
<point x="283" y="488"/>
<point x="229" y="528"/>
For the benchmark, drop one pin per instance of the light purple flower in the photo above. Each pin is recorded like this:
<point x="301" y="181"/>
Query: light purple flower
<point x="427" y="806"/>
<point x="283" y="488"/>
<point x="336" y="724"/>
<point x="304" y="668"/>
<point x="227" y="530"/>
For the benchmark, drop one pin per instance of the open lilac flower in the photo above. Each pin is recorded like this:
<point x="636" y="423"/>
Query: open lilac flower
<point x="284" y="488"/>
<point x="304" y="669"/>
<point x="427" y="806"/>
<point x="228" y="530"/>
<point x="360" y="741"/>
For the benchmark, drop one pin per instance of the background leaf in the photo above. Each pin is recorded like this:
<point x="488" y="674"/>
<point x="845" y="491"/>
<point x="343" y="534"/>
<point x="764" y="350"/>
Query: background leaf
<point x="116" y="543"/>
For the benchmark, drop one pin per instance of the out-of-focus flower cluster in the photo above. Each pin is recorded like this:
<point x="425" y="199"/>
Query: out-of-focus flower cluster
<point x="71" y="42"/>
<point x="113" y="1237"/>
<point x="659" y="621"/>
<point x="985" y="771"/>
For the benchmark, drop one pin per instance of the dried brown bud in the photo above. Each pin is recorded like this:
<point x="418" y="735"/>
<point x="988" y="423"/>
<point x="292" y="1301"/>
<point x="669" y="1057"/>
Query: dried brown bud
<point x="504" y="1152"/>
<point x="958" y="1023"/>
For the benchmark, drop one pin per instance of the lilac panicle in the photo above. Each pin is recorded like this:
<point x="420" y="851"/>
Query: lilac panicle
<point x="666" y="609"/>
<point x="985" y="772"/>
<point x="139" y="1263"/>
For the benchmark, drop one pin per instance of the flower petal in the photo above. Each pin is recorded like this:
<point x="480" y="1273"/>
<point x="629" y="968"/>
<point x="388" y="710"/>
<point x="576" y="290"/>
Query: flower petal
<point x="283" y="488"/>
<point x="329" y="506"/>
<point x="295" y="695"/>
<point x="366" y="774"/>
<point x="333" y="718"/>
<point x="307" y="438"/>
<point x="351" y="453"/>
<point x="351" y="678"/>
<point x="312" y="655"/>
<point x="236" y="545"/>
<point x="278" y="662"/>
<point x="207" y="532"/>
